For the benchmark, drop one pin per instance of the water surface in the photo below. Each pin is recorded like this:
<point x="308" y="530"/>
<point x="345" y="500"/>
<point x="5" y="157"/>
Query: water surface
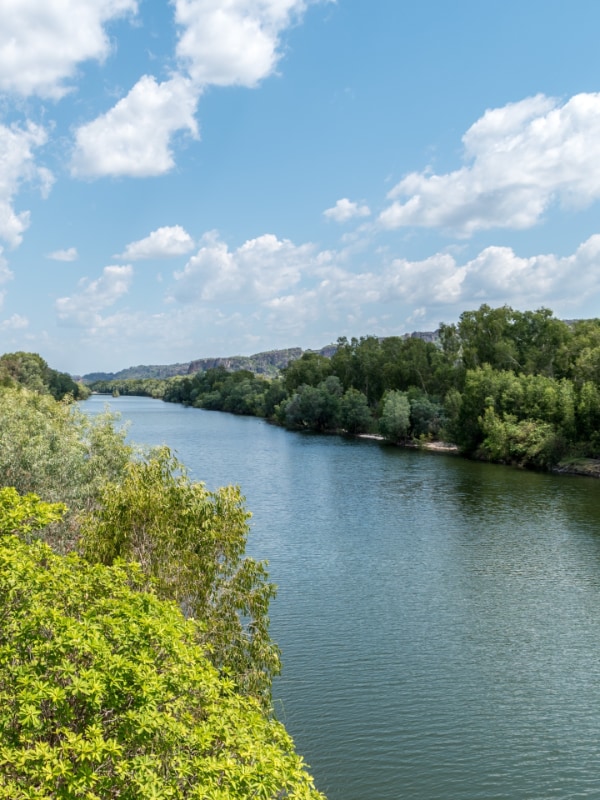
<point x="439" y="619"/>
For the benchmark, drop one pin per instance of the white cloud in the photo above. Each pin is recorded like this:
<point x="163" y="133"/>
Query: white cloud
<point x="496" y="275"/>
<point x="42" y="41"/>
<point x="438" y="287"/>
<point x="5" y="273"/>
<point x="14" y="323"/>
<point x="521" y="159"/>
<point x="345" y="210"/>
<point x="70" y="254"/>
<point x="161" y="243"/>
<point x="134" y="137"/>
<point x="258" y="270"/>
<point x="82" y="308"/>
<point x="234" y="42"/>
<point x="17" y="165"/>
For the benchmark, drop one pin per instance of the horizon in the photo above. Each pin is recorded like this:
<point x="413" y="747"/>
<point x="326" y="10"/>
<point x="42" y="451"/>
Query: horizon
<point x="191" y="177"/>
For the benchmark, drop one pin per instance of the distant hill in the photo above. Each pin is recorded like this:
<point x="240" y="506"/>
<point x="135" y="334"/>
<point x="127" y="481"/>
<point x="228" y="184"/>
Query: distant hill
<point x="268" y="363"/>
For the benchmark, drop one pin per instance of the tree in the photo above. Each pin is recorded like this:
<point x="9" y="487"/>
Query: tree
<point x="31" y="371"/>
<point x="310" y="370"/>
<point x="191" y="543"/>
<point x="426" y="416"/>
<point x="395" y="417"/>
<point x="355" y="414"/>
<point x="59" y="453"/>
<point x="314" y="407"/>
<point x="105" y="693"/>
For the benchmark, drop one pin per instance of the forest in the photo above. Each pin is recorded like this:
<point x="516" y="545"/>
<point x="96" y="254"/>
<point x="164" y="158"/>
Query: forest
<point x="508" y="386"/>
<point x="135" y="656"/>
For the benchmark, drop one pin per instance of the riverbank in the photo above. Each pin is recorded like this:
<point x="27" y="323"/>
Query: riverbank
<point x="432" y="447"/>
<point x="588" y="467"/>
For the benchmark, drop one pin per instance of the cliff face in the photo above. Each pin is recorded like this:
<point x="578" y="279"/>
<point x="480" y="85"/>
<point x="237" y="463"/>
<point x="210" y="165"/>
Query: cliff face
<point x="268" y="363"/>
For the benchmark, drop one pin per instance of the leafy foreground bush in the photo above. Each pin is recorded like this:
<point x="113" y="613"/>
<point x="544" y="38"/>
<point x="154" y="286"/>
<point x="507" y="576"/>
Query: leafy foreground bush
<point x="60" y="454"/>
<point x="104" y="694"/>
<point x="191" y="542"/>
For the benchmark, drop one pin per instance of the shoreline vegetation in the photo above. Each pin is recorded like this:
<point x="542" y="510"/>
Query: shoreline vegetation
<point x="505" y="386"/>
<point x="137" y="660"/>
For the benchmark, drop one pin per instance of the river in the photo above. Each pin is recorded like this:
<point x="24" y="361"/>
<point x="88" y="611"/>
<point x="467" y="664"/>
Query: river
<point x="439" y="619"/>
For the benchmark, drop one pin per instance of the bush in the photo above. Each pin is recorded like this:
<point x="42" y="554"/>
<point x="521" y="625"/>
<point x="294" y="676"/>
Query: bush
<point x="59" y="453"/>
<point x="105" y="694"/>
<point x="191" y="543"/>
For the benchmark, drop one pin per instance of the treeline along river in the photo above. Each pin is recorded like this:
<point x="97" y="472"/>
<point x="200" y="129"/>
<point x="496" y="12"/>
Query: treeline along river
<point x="439" y="619"/>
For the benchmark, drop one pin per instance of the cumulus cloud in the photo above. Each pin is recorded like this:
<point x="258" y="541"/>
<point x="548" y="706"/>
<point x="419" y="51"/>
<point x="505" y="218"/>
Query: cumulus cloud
<point x="17" y="165"/>
<point x="260" y="269"/>
<point x="496" y="275"/>
<point x="14" y="323"/>
<point x="70" y="254"/>
<point x="83" y="308"/>
<point x="42" y="41"/>
<point x="345" y="210"/>
<point x="134" y="137"/>
<point x="520" y="159"/>
<point x="162" y="243"/>
<point x="232" y="43"/>
<point x="222" y="44"/>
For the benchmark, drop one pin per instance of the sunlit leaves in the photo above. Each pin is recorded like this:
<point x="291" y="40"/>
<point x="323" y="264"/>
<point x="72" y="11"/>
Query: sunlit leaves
<point x="191" y="543"/>
<point x="105" y="693"/>
<point x="24" y="514"/>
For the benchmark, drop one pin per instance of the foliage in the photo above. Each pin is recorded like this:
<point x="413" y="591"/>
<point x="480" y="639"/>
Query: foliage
<point x="32" y="372"/>
<point x="355" y="414"/>
<point x="191" y="542"/>
<point x="58" y="452"/>
<point x="24" y="514"/>
<point x="527" y="443"/>
<point x="104" y="693"/>
<point x="525" y="365"/>
<point x="427" y="417"/>
<point x="527" y="342"/>
<point x="395" y="417"/>
<point x="310" y="369"/>
<point x="314" y="407"/>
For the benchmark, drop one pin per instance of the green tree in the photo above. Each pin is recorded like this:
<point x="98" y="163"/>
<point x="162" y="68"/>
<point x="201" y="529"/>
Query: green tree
<point x="105" y="693"/>
<point x="355" y="414"/>
<point x="31" y="371"/>
<point x="59" y="453"/>
<point x="426" y="416"/>
<point x="310" y="370"/>
<point x="314" y="407"/>
<point x="191" y="543"/>
<point x="395" y="418"/>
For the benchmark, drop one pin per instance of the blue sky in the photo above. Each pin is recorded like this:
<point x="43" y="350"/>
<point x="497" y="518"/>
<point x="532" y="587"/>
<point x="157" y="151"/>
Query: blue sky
<point x="191" y="178"/>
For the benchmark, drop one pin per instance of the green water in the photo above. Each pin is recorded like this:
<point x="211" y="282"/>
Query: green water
<point x="439" y="619"/>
